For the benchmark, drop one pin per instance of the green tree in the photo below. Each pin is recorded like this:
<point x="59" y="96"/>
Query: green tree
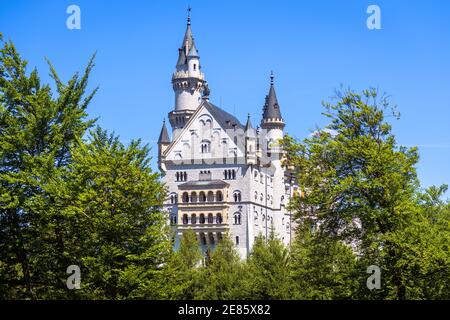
<point x="37" y="130"/>
<point x="322" y="267"/>
<point x="267" y="271"/>
<point x="360" y="188"/>
<point x="120" y="236"/>
<point x="221" y="278"/>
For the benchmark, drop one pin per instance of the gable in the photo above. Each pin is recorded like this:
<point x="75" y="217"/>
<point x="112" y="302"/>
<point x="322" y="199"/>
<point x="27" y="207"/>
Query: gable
<point x="210" y="134"/>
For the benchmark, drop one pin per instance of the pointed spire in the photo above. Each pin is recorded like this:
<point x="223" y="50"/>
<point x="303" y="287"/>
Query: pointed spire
<point x="187" y="40"/>
<point x="248" y="126"/>
<point x="271" y="107"/>
<point x="193" y="51"/>
<point x="164" y="135"/>
<point x="181" y="57"/>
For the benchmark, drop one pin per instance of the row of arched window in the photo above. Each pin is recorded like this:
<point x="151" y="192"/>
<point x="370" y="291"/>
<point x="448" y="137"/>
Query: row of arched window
<point x="202" y="197"/>
<point x="229" y="174"/>
<point x="181" y="176"/>
<point x="202" y="219"/>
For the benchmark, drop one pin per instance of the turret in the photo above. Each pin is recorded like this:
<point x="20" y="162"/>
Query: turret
<point x="163" y="144"/>
<point x="188" y="82"/>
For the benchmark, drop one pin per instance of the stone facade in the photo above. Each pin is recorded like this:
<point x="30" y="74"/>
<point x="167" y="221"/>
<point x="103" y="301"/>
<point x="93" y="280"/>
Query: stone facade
<point x="222" y="177"/>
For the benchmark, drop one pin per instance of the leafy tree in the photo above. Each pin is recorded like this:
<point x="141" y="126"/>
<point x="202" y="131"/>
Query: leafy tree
<point x="360" y="188"/>
<point x="37" y="130"/>
<point x="322" y="267"/>
<point x="221" y="279"/>
<point x="116" y="199"/>
<point x="267" y="274"/>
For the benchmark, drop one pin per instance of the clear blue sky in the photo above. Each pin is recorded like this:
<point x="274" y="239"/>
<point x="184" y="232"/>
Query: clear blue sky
<point x="312" y="46"/>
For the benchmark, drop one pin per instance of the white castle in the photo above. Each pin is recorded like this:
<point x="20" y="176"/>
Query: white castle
<point x="222" y="176"/>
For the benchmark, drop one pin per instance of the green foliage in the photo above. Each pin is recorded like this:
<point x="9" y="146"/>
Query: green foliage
<point x="267" y="271"/>
<point x="97" y="204"/>
<point x="361" y="188"/>
<point x="221" y="278"/>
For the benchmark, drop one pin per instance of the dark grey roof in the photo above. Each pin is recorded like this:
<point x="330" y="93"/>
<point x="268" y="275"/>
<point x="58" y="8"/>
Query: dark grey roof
<point x="193" y="51"/>
<point x="181" y="57"/>
<point x="248" y="125"/>
<point x="226" y="120"/>
<point x="164" y="135"/>
<point x="204" y="183"/>
<point x="271" y="107"/>
<point x="187" y="37"/>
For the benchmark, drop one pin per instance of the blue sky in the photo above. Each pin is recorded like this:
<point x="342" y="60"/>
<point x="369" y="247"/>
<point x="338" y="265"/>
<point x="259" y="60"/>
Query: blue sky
<point x="313" y="47"/>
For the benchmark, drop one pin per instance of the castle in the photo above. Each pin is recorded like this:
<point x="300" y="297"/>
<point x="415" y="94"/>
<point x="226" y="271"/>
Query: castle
<point x="222" y="176"/>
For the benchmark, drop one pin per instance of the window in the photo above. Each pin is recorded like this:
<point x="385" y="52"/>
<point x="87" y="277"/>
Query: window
<point x="202" y="196"/>
<point x="195" y="67"/>
<point x="210" y="218"/>
<point x="205" y="147"/>
<point x="173" y="219"/>
<point x="185" y="197"/>
<point x="219" y="218"/>
<point x="237" y="240"/>
<point x="194" y="197"/>
<point x="219" y="196"/>
<point x="202" y="218"/>
<point x="237" y="196"/>
<point x="229" y="174"/>
<point x="181" y="176"/>
<point x="185" y="218"/>
<point x="202" y="239"/>
<point x="193" y="218"/>
<point x="237" y="218"/>
<point x="210" y="196"/>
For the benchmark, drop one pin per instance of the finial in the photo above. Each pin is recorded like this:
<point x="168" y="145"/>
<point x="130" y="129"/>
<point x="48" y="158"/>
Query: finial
<point x="164" y="120"/>
<point x="248" y="115"/>
<point x="189" y="15"/>
<point x="271" y="78"/>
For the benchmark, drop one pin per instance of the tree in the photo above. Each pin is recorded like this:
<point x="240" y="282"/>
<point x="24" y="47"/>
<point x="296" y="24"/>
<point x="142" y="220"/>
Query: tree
<point x="37" y="130"/>
<point x="115" y="198"/>
<point x="322" y="268"/>
<point x="360" y="188"/>
<point x="267" y="271"/>
<point x="221" y="279"/>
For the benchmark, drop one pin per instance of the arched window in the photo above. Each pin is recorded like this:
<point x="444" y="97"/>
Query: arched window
<point x="219" y="196"/>
<point x="211" y="238"/>
<point x="234" y="174"/>
<point x="202" y="238"/>
<point x="210" y="196"/>
<point x="237" y="196"/>
<point x="195" y="67"/>
<point x="237" y="218"/>
<point x="219" y="218"/>
<point x="202" y="196"/>
<point x="210" y="218"/>
<point x="185" y="219"/>
<point x="193" y="218"/>
<point x="185" y="176"/>
<point x="237" y="240"/>
<point x="178" y="176"/>
<point x="194" y="196"/>
<point x="225" y="173"/>
<point x="219" y="236"/>
<point x="185" y="197"/>
<point x="205" y="146"/>
<point x="202" y="218"/>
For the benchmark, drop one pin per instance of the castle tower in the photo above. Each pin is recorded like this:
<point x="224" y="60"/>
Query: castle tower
<point x="163" y="143"/>
<point x="188" y="82"/>
<point x="272" y="122"/>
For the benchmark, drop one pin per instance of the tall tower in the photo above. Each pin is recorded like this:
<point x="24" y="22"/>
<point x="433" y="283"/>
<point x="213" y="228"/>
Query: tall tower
<point x="272" y="121"/>
<point x="272" y="124"/>
<point x="188" y="82"/>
